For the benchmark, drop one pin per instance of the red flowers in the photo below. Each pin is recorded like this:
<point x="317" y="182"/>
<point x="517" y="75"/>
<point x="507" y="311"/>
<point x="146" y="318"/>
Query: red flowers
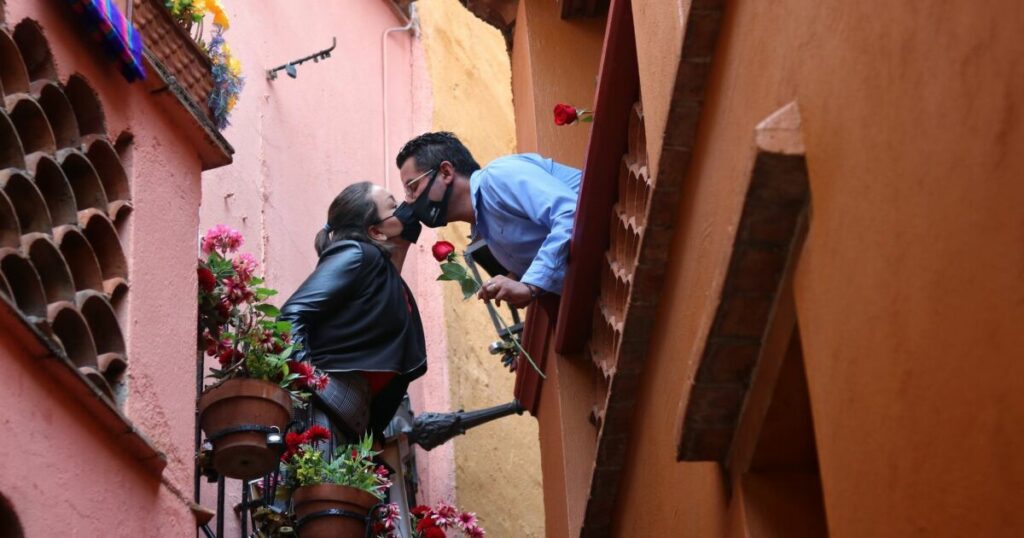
<point x="207" y="281"/>
<point x="568" y="114"/>
<point x="434" y="532"/>
<point x="451" y="269"/>
<point x="441" y="250"/>
<point x="293" y="441"/>
<point x="565" y="114"/>
<point x="308" y="378"/>
<point x="317" y="433"/>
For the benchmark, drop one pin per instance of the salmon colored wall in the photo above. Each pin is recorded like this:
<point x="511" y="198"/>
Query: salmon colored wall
<point x="908" y="291"/>
<point x="64" y="474"/>
<point x="301" y="141"/>
<point x="68" y="473"/>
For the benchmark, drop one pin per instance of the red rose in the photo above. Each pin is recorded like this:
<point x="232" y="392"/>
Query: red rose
<point x="206" y="279"/>
<point x="565" y="114"/>
<point x="441" y="250"/>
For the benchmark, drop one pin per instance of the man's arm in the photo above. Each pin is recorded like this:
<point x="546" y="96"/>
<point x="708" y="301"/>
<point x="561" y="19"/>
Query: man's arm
<point x="551" y="203"/>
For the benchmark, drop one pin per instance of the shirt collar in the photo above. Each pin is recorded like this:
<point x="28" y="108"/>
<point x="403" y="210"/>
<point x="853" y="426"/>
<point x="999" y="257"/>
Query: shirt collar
<point x="478" y="229"/>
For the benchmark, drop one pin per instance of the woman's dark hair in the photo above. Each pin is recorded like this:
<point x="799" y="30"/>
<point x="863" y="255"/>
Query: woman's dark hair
<point x="348" y="217"/>
<point x="431" y="149"/>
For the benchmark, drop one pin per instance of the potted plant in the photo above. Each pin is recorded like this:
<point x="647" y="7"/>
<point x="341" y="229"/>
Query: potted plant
<point x="175" y="36"/>
<point x="334" y="498"/>
<point x="257" y="383"/>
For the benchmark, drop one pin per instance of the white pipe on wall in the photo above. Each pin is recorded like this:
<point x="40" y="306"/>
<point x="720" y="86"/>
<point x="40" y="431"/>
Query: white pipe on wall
<point x="413" y="25"/>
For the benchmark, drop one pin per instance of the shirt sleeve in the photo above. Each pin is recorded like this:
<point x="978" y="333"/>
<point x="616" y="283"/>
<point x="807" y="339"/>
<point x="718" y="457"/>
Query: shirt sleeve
<point x="551" y="203"/>
<point x="333" y="280"/>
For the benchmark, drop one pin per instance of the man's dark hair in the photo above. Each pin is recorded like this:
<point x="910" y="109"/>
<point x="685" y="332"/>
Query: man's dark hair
<point x="431" y="149"/>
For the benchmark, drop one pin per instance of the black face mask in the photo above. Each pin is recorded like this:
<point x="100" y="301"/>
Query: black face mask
<point x="411" y="227"/>
<point x="432" y="214"/>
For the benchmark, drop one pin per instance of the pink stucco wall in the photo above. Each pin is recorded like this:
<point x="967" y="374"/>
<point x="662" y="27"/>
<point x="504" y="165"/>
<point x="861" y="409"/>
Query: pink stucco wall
<point x="301" y="141"/>
<point x="69" y="478"/>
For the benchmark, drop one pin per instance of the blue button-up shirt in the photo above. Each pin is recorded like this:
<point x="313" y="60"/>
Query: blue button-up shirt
<point x="525" y="206"/>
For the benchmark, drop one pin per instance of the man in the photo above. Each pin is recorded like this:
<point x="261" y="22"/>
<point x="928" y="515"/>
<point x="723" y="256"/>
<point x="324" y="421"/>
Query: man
<point x="523" y="205"/>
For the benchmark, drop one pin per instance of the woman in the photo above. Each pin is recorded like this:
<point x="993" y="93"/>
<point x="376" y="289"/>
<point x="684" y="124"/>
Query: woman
<point x="355" y="318"/>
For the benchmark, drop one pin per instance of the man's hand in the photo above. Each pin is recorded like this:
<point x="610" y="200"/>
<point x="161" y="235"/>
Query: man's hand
<point x="502" y="288"/>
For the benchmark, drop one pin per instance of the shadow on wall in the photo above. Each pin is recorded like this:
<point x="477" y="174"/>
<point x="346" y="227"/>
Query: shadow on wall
<point x="10" y="527"/>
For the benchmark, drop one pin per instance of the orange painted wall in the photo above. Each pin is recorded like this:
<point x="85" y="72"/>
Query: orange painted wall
<point x="909" y="290"/>
<point x="556" y="61"/>
<point x="553" y="61"/>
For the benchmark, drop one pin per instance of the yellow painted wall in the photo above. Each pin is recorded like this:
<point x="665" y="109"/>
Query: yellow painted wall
<point x="497" y="466"/>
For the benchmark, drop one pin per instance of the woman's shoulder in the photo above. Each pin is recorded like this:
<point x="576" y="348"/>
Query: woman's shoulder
<point x="352" y="251"/>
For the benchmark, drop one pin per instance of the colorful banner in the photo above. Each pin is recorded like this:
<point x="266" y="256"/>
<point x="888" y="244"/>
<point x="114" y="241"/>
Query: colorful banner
<point x="120" y="39"/>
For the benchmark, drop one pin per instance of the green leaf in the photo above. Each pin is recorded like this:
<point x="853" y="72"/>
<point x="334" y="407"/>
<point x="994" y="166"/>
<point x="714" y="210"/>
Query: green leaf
<point x="587" y="119"/>
<point x="268" y="309"/>
<point x="453" y="271"/>
<point x="469" y="287"/>
<point x="255" y="281"/>
<point x="264" y="293"/>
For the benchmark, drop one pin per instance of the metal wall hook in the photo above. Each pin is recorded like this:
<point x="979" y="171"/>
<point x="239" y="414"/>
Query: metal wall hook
<point x="289" y="67"/>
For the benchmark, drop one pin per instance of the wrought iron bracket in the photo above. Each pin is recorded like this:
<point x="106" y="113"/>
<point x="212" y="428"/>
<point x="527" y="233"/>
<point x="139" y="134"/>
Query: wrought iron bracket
<point x="289" y="67"/>
<point x="431" y="430"/>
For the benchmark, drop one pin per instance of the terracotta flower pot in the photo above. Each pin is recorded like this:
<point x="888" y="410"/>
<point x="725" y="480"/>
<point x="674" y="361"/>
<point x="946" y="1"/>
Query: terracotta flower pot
<point x="239" y="403"/>
<point x="309" y="500"/>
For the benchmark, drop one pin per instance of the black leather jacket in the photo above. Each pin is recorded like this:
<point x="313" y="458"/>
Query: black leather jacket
<point x="355" y="313"/>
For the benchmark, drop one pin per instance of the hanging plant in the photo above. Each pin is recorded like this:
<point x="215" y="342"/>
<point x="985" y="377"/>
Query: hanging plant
<point x="226" y="69"/>
<point x="227" y="79"/>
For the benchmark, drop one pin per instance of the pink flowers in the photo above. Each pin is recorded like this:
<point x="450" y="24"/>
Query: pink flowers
<point x="245" y="266"/>
<point x="222" y="239"/>
<point x="383" y="479"/>
<point x="237" y="324"/>
<point x="387" y="521"/>
<point x="443" y="518"/>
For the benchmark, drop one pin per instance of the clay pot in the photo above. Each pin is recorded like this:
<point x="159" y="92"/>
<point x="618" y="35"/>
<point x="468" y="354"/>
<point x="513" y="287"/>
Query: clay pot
<point x="312" y="499"/>
<point x="241" y="402"/>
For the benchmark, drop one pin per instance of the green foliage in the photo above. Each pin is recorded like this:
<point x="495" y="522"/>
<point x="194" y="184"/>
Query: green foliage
<point x="352" y="466"/>
<point x="238" y="326"/>
<point x="455" y="272"/>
